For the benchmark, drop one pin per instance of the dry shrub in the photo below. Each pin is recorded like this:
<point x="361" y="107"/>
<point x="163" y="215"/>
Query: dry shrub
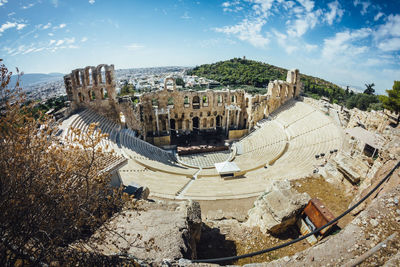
<point x="52" y="192"/>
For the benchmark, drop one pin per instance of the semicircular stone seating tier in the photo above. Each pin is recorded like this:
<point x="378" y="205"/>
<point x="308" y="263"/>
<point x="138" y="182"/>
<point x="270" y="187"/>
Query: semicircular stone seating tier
<point x="281" y="148"/>
<point x="206" y="160"/>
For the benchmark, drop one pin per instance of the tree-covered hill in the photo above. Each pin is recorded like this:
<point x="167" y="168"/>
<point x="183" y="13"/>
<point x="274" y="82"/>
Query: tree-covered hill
<point x="240" y="72"/>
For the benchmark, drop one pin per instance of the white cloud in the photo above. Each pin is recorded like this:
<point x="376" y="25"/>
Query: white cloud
<point x="2" y="2"/>
<point x="60" y="42"/>
<point x="48" y="25"/>
<point x="233" y="6"/>
<point x="11" y="14"/>
<point x="28" y="6"/>
<point x="378" y="16"/>
<point x="390" y="28"/>
<point x="304" y="23"/>
<point x="91" y="2"/>
<point x="282" y="40"/>
<point x="84" y="39"/>
<point x="390" y="45"/>
<point x="10" y="25"/>
<point x="262" y="7"/>
<point x="7" y="25"/>
<point x="52" y="42"/>
<point x="20" y="26"/>
<point x="134" y="46"/>
<point x="307" y="4"/>
<point x="364" y="5"/>
<point x="335" y="11"/>
<point x="310" y="47"/>
<point x="249" y="31"/>
<point x="69" y="40"/>
<point x="51" y="34"/>
<point x="344" y="44"/>
<point x="63" y="25"/>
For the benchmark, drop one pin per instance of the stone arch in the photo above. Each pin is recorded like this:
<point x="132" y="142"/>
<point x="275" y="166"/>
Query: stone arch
<point x="89" y="75"/>
<point x="172" y="124"/>
<point x="179" y="124"/>
<point x="187" y="124"/>
<point x="104" y="93"/>
<point x="196" y="123"/>
<point x="170" y="101"/>
<point x="196" y="102"/>
<point x="77" y="78"/>
<point x="101" y="73"/>
<point x="205" y="123"/>
<point x="173" y="83"/>
<point x="218" y="121"/>
<point x="212" y="122"/>
<point x="205" y="101"/>
<point x="80" y="97"/>
<point x="92" y="95"/>
<point x="219" y="99"/>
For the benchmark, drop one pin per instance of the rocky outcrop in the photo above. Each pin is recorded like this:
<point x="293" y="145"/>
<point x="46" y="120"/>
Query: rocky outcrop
<point x="153" y="232"/>
<point x="277" y="208"/>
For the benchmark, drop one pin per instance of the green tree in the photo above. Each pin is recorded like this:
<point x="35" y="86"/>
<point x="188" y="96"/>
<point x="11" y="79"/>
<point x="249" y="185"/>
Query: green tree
<point x="392" y="101"/>
<point x="370" y="90"/>
<point x="180" y="81"/>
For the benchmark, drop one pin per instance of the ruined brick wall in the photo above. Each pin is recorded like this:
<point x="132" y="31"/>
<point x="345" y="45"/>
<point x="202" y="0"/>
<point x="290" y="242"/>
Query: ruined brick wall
<point x="160" y="112"/>
<point x="94" y="88"/>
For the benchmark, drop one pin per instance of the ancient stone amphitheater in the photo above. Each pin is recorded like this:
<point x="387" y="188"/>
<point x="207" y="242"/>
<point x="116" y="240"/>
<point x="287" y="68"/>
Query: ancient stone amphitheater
<point x="273" y="136"/>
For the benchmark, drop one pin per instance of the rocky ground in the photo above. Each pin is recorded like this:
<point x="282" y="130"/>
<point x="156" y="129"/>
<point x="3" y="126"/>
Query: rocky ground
<point x="224" y="234"/>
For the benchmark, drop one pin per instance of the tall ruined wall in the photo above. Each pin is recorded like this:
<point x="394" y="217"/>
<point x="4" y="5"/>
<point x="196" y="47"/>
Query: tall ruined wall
<point x="279" y="92"/>
<point x="94" y="88"/>
<point x="188" y="110"/>
<point x="160" y="112"/>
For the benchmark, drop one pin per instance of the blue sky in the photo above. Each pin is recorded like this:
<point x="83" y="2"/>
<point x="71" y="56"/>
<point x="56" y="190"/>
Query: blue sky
<point x="346" y="42"/>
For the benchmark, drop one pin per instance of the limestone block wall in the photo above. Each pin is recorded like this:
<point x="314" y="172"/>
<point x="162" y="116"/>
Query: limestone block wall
<point x="160" y="112"/>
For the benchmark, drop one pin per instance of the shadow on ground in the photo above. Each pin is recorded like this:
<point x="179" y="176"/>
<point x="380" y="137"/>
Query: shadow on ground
<point x="213" y="244"/>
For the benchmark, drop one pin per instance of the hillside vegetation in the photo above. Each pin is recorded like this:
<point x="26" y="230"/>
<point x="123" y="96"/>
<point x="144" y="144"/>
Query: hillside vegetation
<point x="254" y="76"/>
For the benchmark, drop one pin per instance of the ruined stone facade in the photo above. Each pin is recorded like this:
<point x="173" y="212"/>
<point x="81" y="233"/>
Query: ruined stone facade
<point x="161" y="112"/>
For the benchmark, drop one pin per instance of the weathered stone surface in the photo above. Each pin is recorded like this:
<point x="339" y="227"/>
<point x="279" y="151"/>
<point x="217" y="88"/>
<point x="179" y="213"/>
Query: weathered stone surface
<point x="277" y="208"/>
<point x="157" y="231"/>
<point x="159" y="112"/>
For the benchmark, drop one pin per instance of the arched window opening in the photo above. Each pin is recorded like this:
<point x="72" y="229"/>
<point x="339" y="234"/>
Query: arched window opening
<point x="104" y="93"/>
<point x="102" y="75"/>
<point x="195" y="121"/>
<point x="219" y="121"/>
<point x="196" y="102"/>
<point x="90" y="73"/>
<point x="154" y="102"/>
<point x="204" y="123"/>
<point x="77" y="79"/>
<point x="205" y="101"/>
<point x="80" y="96"/>
<point x="186" y="101"/>
<point x="170" y="101"/>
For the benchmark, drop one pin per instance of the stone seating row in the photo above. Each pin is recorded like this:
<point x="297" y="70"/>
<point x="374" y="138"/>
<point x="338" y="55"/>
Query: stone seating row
<point x="161" y="185"/>
<point x="293" y="113"/>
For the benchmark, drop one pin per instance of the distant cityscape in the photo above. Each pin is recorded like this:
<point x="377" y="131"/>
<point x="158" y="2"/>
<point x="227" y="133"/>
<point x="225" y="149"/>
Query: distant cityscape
<point x="142" y="79"/>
